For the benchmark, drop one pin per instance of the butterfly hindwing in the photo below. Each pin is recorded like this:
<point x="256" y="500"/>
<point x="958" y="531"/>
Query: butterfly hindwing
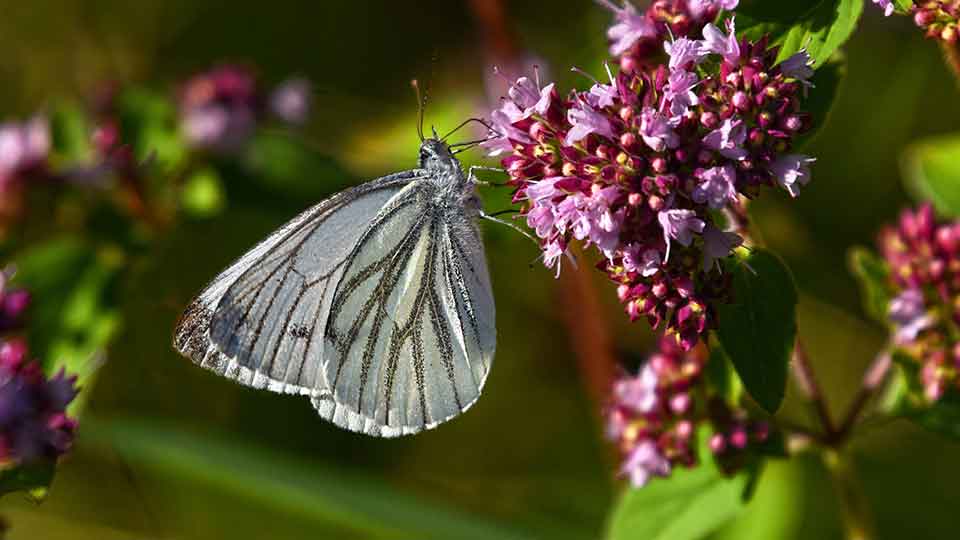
<point x="408" y="337"/>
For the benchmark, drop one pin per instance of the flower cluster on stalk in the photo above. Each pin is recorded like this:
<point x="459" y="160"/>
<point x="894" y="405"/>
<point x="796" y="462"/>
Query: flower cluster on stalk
<point x="923" y="255"/>
<point x="643" y="166"/>
<point x="33" y="420"/>
<point x="939" y="19"/>
<point x="656" y="415"/>
<point x="220" y="108"/>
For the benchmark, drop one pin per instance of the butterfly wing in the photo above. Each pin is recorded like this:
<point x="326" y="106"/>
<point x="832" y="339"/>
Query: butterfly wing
<point x="261" y="321"/>
<point x="410" y="336"/>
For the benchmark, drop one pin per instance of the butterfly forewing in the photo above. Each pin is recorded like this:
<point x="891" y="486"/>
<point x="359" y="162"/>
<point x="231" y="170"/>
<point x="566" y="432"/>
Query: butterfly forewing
<point x="261" y="320"/>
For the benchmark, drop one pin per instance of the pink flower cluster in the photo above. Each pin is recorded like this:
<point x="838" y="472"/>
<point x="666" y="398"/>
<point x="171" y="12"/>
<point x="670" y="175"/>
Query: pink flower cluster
<point x="219" y="109"/>
<point x="655" y="415"/>
<point x="33" y="421"/>
<point x="924" y="259"/>
<point x="24" y="149"/>
<point x="636" y="37"/>
<point x="643" y="165"/>
<point x="940" y="19"/>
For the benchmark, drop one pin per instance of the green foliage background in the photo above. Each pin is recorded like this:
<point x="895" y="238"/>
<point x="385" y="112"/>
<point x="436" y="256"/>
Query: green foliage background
<point x="167" y="450"/>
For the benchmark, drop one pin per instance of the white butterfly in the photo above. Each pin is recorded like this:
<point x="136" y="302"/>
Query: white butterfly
<point x="376" y="303"/>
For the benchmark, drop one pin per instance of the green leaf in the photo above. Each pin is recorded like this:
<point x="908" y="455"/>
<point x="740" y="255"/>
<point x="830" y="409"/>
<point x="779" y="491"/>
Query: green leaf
<point x="70" y="134"/>
<point x="904" y="396"/>
<point x="688" y="505"/>
<point x="942" y="417"/>
<point x="932" y="170"/>
<point x="33" y="478"/>
<point x="149" y="123"/>
<point x="872" y="274"/>
<point x="820" y="26"/>
<point x="820" y="99"/>
<point x="203" y="194"/>
<point x="720" y="374"/>
<point x="758" y="330"/>
<point x="903" y="6"/>
<point x="73" y="313"/>
<point x="333" y="497"/>
<point x="286" y="164"/>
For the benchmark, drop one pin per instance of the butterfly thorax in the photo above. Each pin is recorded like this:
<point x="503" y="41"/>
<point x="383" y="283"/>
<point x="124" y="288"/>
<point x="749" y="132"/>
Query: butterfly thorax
<point x="446" y="174"/>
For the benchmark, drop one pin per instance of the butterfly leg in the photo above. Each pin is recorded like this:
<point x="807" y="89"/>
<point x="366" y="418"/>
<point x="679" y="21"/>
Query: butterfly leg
<point x="472" y="176"/>
<point x="495" y="219"/>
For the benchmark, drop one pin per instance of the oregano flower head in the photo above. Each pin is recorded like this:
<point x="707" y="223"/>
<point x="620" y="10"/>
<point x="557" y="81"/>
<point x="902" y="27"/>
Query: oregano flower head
<point x="923" y="255"/>
<point x="643" y="165"/>
<point x="656" y="417"/>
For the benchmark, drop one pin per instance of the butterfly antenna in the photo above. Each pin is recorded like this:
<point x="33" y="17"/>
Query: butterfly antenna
<point x="480" y="121"/>
<point x="421" y="105"/>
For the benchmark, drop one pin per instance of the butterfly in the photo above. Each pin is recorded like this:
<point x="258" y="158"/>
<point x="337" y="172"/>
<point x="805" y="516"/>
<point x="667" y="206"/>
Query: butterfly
<point x="376" y="303"/>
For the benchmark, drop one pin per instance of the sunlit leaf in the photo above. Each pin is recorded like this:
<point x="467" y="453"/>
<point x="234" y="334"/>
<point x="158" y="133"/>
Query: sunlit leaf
<point x="932" y="169"/>
<point x="74" y="308"/>
<point x="331" y="496"/>
<point x="202" y="194"/>
<point x="759" y="328"/>
<point x="819" y="26"/>
<point x="903" y="6"/>
<point x="872" y="275"/>
<point x="688" y="505"/>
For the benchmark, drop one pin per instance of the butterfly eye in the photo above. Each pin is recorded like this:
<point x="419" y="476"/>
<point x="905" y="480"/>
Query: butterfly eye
<point x="423" y="156"/>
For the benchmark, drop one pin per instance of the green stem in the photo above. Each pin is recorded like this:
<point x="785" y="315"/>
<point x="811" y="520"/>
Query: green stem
<point x="856" y="515"/>
<point x="951" y="55"/>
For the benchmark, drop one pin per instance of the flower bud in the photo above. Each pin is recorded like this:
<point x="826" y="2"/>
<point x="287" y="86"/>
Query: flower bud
<point x="12" y="353"/>
<point x="717" y="443"/>
<point x="741" y="101"/>
<point x="15" y="303"/>
<point x="680" y="403"/>
<point x="659" y="165"/>
<point x="709" y="119"/>
<point x="738" y="438"/>
<point x="684" y="429"/>
<point x="924" y="17"/>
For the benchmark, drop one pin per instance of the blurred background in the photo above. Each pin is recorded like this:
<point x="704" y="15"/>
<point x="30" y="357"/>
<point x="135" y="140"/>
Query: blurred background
<point x="167" y="450"/>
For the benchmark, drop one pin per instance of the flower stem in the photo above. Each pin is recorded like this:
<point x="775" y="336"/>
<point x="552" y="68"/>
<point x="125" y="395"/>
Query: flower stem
<point x="856" y="516"/>
<point x="951" y="55"/>
<point x="873" y="378"/>
<point x="807" y="381"/>
<point x="589" y="333"/>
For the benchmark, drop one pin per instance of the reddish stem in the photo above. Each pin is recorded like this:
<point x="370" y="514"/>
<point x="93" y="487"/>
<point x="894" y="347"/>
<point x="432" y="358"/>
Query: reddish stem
<point x="951" y="55"/>
<point x="589" y="333"/>
<point x="803" y="370"/>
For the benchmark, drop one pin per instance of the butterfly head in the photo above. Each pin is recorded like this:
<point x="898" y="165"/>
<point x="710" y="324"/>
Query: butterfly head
<point x="435" y="155"/>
